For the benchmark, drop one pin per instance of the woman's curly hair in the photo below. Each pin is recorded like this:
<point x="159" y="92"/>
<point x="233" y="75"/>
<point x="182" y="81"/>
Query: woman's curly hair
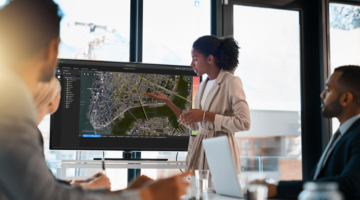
<point x="225" y="50"/>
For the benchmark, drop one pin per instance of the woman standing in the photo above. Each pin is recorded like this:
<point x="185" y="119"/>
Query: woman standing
<point x="220" y="104"/>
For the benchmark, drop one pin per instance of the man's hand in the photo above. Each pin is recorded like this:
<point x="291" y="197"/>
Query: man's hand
<point x="88" y="180"/>
<point x="102" y="182"/>
<point x="166" y="189"/>
<point x="192" y="116"/>
<point x="93" y="177"/>
<point x="272" y="190"/>
<point x="140" y="182"/>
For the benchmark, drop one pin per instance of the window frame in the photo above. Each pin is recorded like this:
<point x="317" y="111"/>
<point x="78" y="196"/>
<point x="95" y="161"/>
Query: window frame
<point x="315" y="59"/>
<point x="348" y="2"/>
<point x="136" y="30"/>
<point x="136" y="44"/>
<point x="314" y="70"/>
<point x="330" y="131"/>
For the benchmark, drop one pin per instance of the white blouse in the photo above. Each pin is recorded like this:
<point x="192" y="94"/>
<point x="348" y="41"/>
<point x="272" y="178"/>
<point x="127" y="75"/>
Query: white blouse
<point x="208" y="87"/>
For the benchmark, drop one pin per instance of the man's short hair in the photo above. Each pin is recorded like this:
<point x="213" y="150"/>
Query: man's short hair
<point x="350" y="80"/>
<point x="26" y="27"/>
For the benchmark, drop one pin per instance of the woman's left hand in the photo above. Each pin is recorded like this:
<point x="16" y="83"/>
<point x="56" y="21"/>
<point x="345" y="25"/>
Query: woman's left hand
<point x="192" y="116"/>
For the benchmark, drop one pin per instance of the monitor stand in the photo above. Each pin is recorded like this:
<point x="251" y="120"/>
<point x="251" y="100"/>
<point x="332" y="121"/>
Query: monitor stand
<point x="133" y="156"/>
<point x="127" y="155"/>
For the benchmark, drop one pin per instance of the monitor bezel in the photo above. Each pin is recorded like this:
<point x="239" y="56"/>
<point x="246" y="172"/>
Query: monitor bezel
<point x="115" y="64"/>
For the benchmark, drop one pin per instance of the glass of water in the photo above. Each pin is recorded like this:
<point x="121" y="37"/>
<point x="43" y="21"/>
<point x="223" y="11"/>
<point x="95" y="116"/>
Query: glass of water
<point x="202" y="180"/>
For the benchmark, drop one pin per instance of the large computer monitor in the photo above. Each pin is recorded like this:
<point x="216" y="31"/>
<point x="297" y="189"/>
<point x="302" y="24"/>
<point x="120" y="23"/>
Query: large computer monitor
<point x="102" y="106"/>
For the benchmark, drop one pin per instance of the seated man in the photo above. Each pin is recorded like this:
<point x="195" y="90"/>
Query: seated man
<point x="29" y="40"/>
<point x="340" y="161"/>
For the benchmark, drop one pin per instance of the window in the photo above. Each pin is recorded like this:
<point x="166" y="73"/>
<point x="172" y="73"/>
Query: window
<point x="95" y="30"/>
<point x="169" y="33"/>
<point x="269" y="68"/>
<point x="344" y="38"/>
<point x="99" y="30"/>
<point x="269" y="63"/>
<point x="270" y="71"/>
<point x="3" y="3"/>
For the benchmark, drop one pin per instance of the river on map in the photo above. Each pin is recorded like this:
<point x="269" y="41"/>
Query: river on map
<point x="124" y="125"/>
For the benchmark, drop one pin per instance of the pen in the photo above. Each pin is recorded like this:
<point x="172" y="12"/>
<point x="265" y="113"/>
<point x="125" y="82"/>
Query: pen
<point x="103" y="164"/>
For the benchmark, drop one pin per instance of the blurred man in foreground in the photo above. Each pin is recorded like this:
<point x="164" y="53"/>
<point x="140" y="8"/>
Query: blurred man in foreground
<point x="340" y="161"/>
<point x="29" y="41"/>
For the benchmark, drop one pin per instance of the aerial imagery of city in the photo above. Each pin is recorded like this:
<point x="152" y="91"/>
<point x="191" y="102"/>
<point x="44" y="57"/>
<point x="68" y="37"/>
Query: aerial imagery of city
<point x="113" y="103"/>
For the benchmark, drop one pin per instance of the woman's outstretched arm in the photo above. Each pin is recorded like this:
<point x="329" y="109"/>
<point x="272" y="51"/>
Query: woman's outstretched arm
<point x="162" y="97"/>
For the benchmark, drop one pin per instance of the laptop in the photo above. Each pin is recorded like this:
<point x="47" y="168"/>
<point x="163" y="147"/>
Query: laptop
<point x="222" y="167"/>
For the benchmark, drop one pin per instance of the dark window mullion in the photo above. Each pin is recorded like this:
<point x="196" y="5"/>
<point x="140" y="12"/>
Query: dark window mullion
<point x="315" y="128"/>
<point x="136" y="30"/>
<point x="327" y="68"/>
<point x="348" y="2"/>
<point x="140" y="30"/>
<point x="135" y="55"/>
<point x="216" y="18"/>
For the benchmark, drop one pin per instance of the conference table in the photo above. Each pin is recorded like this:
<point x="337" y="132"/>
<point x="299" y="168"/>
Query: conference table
<point x="209" y="196"/>
<point x="212" y="196"/>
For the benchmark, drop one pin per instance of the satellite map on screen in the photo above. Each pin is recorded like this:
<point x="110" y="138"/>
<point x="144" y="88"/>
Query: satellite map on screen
<point x="113" y="103"/>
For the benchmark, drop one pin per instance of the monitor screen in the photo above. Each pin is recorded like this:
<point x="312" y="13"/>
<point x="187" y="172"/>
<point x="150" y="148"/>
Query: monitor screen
<point x="102" y="106"/>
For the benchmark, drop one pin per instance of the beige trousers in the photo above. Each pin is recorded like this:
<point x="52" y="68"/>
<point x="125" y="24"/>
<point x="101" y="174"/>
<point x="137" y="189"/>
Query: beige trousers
<point x="196" y="158"/>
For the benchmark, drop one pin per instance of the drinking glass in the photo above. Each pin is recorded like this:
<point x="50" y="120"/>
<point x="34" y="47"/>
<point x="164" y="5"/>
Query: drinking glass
<point x="202" y="180"/>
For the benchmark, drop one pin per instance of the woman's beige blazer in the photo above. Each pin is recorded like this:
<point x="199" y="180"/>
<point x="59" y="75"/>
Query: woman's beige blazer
<point x="227" y="100"/>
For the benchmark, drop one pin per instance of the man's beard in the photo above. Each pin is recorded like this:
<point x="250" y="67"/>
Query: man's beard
<point x="47" y="73"/>
<point x="334" y="109"/>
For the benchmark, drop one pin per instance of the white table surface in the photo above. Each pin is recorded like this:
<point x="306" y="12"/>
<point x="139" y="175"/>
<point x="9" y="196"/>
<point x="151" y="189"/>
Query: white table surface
<point x="213" y="196"/>
<point x="118" y="164"/>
